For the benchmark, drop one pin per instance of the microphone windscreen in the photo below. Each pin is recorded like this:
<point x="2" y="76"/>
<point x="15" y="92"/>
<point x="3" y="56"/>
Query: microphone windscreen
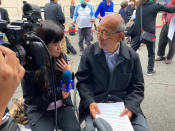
<point x="67" y="76"/>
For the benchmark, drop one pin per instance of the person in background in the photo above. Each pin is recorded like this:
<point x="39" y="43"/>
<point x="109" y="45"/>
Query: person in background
<point x="37" y="87"/>
<point x="149" y="13"/>
<point x="85" y="14"/>
<point x="123" y="11"/>
<point x="53" y="12"/>
<point x="105" y="7"/>
<point x="167" y="1"/>
<point x="133" y="17"/>
<point x="163" y="38"/>
<point x="4" y="14"/>
<point x="110" y="71"/>
<point x="130" y="9"/>
<point x="72" y="8"/>
<point x="89" y="2"/>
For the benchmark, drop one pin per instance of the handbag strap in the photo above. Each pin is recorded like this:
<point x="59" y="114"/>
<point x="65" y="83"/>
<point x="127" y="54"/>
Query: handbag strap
<point x="141" y="20"/>
<point x="105" y="6"/>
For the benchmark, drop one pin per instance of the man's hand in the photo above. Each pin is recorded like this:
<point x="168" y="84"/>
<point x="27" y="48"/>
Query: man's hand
<point x="93" y="107"/>
<point x="11" y="73"/>
<point x="126" y="112"/>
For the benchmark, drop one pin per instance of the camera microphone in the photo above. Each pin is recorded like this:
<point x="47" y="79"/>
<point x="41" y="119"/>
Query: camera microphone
<point x="66" y="84"/>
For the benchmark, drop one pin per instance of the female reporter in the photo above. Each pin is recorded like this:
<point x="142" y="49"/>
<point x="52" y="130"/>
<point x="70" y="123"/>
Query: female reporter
<point x="37" y="90"/>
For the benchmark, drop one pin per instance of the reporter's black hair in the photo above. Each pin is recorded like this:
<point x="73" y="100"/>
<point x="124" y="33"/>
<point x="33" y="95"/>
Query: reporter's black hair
<point x="49" y="32"/>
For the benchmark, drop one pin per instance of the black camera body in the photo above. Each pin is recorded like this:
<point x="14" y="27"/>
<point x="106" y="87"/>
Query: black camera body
<point x="30" y="52"/>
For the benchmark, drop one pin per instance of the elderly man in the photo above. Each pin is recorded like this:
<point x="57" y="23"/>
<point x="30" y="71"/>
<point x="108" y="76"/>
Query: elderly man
<point x="110" y="71"/>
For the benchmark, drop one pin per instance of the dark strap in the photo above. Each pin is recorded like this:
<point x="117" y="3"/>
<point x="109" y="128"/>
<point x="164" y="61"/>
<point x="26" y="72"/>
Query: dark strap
<point x="141" y="20"/>
<point x="105" y="6"/>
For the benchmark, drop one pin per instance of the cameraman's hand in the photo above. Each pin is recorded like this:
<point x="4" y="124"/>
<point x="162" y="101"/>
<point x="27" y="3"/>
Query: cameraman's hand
<point x="11" y="73"/>
<point x="93" y="107"/>
<point x="62" y="65"/>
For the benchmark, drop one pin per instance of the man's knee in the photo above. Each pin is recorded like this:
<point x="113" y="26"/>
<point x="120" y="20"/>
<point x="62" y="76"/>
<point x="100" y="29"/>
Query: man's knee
<point x="140" y="123"/>
<point x="89" y="124"/>
<point x="141" y="128"/>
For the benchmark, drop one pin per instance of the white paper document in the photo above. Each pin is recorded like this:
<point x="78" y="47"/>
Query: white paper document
<point x="111" y="113"/>
<point x="171" y="28"/>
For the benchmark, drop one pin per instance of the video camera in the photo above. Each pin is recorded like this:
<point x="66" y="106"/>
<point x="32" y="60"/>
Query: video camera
<point x="30" y="51"/>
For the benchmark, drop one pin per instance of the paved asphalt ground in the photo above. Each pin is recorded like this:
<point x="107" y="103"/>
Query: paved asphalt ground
<point x="158" y="104"/>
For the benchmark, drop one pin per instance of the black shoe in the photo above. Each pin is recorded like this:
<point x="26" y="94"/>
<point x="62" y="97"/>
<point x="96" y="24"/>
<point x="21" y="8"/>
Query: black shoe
<point x="168" y="61"/>
<point x="150" y="73"/>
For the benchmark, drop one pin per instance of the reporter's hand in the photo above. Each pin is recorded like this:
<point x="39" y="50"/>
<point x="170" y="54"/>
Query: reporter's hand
<point x="65" y="94"/>
<point x="126" y="112"/>
<point x="62" y="65"/>
<point x="93" y="107"/>
<point x="11" y="73"/>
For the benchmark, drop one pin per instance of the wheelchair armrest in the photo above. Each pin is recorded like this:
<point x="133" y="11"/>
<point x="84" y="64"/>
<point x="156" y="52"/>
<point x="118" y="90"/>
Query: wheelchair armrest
<point x="102" y="125"/>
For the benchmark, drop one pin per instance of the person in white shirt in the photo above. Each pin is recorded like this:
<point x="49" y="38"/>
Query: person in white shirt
<point x="85" y="14"/>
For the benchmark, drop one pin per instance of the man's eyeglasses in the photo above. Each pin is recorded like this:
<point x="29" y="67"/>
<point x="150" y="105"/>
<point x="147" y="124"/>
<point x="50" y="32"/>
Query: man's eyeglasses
<point x="106" y="35"/>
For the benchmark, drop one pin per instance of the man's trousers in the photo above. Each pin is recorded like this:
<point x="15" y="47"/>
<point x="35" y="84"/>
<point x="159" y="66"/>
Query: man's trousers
<point x="163" y="41"/>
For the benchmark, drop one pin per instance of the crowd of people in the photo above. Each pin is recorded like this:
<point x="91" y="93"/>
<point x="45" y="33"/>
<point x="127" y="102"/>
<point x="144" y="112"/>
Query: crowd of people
<point x="109" y="70"/>
<point x="139" y="23"/>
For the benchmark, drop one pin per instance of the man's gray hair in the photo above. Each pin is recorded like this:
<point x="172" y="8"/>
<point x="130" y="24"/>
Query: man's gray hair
<point x="120" y="27"/>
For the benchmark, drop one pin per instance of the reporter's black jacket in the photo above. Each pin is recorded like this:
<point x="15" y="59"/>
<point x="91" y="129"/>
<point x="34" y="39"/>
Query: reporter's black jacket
<point x="36" y="99"/>
<point x="149" y="13"/>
